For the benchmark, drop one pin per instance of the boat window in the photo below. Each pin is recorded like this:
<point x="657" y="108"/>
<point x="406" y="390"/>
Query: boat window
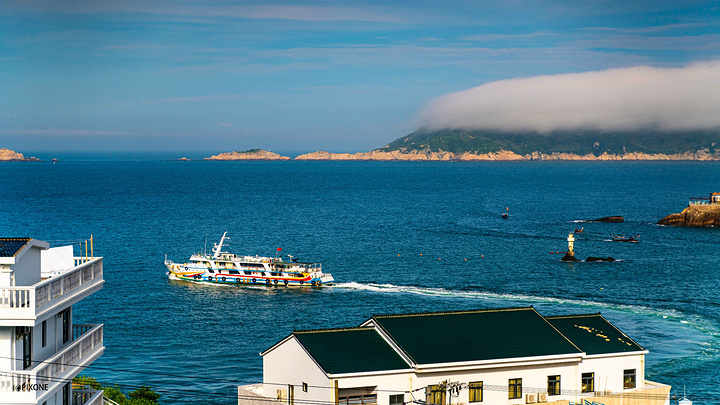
<point x="211" y="271"/>
<point x="234" y="272"/>
<point x="247" y="272"/>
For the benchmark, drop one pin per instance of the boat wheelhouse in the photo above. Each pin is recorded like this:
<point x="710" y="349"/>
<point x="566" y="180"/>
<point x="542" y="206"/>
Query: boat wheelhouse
<point x="228" y="268"/>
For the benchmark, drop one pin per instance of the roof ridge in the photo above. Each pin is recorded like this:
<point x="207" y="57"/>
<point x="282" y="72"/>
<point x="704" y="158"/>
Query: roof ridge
<point x="460" y="311"/>
<point x="350" y="328"/>
<point x="572" y="315"/>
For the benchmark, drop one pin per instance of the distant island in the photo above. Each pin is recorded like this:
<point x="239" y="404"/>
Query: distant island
<point x="485" y="145"/>
<point x="252" y="154"/>
<point x="643" y="144"/>
<point x="7" y="155"/>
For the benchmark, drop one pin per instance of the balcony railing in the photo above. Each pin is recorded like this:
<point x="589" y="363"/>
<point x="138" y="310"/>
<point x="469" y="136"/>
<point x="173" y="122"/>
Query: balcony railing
<point x="54" y="370"/>
<point x="87" y="397"/>
<point x="28" y="302"/>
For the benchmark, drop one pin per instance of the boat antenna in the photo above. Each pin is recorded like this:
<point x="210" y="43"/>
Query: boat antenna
<point x="216" y="254"/>
<point x="205" y="248"/>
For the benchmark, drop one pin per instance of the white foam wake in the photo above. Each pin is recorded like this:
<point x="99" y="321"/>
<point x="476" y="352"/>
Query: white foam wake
<point x="697" y="322"/>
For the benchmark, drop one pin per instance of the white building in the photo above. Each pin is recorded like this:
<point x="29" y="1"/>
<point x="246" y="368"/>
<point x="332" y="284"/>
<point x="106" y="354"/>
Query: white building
<point x="41" y="349"/>
<point x="498" y="356"/>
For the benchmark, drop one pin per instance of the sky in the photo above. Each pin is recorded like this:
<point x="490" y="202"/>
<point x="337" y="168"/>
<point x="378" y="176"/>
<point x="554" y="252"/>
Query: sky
<point x="344" y="76"/>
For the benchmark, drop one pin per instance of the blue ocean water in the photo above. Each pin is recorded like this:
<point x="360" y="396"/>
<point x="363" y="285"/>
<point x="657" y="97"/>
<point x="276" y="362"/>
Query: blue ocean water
<point x="397" y="237"/>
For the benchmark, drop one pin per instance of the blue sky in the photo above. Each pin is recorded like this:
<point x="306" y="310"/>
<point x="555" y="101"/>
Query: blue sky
<point x="301" y="76"/>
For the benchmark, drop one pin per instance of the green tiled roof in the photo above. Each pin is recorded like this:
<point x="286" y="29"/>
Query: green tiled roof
<point x="446" y="337"/>
<point x="10" y="246"/>
<point x="352" y="350"/>
<point x="593" y="334"/>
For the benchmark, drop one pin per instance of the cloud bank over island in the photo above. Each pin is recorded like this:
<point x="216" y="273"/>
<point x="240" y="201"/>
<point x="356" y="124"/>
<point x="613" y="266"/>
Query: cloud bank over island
<point x="685" y="98"/>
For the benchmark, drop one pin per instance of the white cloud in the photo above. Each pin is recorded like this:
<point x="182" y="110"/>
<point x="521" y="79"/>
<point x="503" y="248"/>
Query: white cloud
<point x="613" y="99"/>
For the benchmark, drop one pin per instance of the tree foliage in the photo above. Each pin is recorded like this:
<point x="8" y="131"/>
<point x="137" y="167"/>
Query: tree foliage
<point x="141" y="396"/>
<point x="581" y="142"/>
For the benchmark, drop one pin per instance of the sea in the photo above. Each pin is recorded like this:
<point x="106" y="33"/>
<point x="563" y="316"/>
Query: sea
<point x="398" y="237"/>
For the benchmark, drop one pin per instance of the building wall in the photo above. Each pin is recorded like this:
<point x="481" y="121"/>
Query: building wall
<point x="6" y="347"/>
<point x="26" y="270"/>
<point x="290" y="364"/>
<point x="609" y="370"/>
<point x="608" y="377"/>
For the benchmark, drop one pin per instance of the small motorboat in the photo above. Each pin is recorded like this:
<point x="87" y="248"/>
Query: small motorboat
<point x="579" y="230"/>
<point x="505" y="214"/>
<point x="623" y="238"/>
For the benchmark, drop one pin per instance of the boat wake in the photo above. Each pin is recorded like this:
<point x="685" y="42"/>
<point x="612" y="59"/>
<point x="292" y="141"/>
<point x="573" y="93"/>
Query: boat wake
<point x="701" y="336"/>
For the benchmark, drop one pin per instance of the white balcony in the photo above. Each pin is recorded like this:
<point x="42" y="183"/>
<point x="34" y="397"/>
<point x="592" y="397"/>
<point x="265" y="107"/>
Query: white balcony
<point x="46" y="377"/>
<point x="22" y="306"/>
<point x="87" y="397"/>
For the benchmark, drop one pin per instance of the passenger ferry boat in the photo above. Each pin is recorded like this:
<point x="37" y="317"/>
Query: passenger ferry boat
<point x="227" y="268"/>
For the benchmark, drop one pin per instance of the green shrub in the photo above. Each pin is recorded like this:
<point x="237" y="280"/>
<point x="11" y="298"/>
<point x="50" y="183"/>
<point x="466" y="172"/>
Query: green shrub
<point x="144" y="393"/>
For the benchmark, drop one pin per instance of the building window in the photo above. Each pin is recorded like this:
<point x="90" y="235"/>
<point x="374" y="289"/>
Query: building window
<point x="476" y="391"/>
<point x="360" y="400"/>
<point x="397" y="399"/>
<point x="66" y="326"/>
<point x="304" y="386"/>
<point x="435" y="394"/>
<point x="291" y="395"/>
<point x="27" y="347"/>
<point x="629" y="379"/>
<point x="553" y="386"/>
<point x="588" y="382"/>
<point x="66" y="394"/>
<point x="44" y="333"/>
<point x="515" y="388"/>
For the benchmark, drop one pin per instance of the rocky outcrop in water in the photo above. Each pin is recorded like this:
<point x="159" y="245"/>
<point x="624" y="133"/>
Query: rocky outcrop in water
<point x="611" y="219"/>
<point x="7" y="155"/>
<point x="694" y="216"/>
<point x="252" y="154"/>
<point x="599" y="259"/>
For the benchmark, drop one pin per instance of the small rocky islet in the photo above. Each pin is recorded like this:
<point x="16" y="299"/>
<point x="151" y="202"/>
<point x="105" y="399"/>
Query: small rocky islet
<point x="697" y="215"/>
<point x="7" y="155"/>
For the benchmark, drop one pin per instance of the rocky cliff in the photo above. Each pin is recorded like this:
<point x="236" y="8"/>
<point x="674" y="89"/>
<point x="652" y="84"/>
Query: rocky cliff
<point x="252" y="154"/>
<point x="8" y="155"/>
<point x="694" y="215"/>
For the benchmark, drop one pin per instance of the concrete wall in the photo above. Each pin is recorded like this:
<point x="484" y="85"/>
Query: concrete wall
<point x="290" y="364"/>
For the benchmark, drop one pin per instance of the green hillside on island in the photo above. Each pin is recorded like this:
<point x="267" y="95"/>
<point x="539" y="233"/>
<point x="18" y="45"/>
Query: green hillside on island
<point x="574" y="142"/>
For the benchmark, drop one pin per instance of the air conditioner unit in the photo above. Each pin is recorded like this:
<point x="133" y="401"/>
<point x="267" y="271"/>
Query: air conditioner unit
<point x="542" y="397"/>
<point x="530" y="398"/>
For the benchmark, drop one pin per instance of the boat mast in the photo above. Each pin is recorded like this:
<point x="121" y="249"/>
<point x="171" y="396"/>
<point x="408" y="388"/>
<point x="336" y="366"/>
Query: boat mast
<point x="216" y="254"/>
